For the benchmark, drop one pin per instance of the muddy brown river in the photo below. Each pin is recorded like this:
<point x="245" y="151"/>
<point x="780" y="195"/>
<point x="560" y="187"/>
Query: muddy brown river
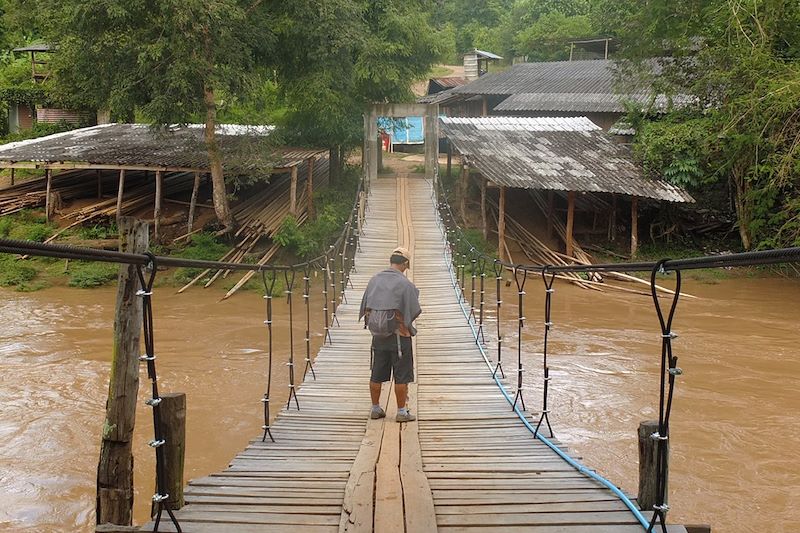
<point x="735" y="445"/>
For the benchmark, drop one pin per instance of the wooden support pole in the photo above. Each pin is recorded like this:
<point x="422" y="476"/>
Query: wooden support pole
<point x="310" y="188"/>
<point x="462" y="189"/>
<point x="157" y="208"/>
<point x="551" y="211"/>
<point x="634" y="226"/>
<point x="193" y="202"/>
<point x="485" y="106"/>
<point x="570" y="249"/>
<point x="612" y="224"/>
<point x="48" y="204"/>
<point x="120" y="192"/>
<point x="115" y="468"/>
<point x="484" y="225"/>
<point x="99" y="174"/>
<point x="501" y="225"/>
<point x="648" y="457"/>
<point x="449" y="159"/>
<point x="293" y="192"/>
<point x="173" y="429"/>
<point x="12" y="176"/>
<point x="380" y="153"/>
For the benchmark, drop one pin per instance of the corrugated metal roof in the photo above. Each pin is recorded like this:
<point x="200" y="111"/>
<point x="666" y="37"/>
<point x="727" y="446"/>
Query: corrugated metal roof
<point x="35" y="48"/>
<point x="587" y="86"/>
<point x="449" y="82"/>
<point x="586" y="102"/>
<point x="244" y="148"/>
<point x="486" y="55"/>
<point x="563" y="154"/>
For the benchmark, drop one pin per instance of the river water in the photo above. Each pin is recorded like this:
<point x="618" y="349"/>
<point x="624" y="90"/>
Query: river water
<point x="735" y="447"/>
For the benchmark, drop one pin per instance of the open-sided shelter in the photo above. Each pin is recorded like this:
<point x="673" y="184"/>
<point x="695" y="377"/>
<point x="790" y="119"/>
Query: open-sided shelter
<point x="565" y="154"/>
<point x="125" y="148"/>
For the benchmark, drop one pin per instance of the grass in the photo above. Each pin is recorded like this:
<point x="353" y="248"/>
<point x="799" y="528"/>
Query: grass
<point x="87" y="275"/>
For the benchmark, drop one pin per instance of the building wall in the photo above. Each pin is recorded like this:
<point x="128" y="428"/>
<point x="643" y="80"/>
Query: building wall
<point x="54" y="116"/>
<point x="20" y="118"/>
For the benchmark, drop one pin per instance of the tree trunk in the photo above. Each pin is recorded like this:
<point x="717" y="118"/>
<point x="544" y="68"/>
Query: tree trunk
<point x="219" y="193"/>
<point x="335" y="164"/>
<point x="743" y="207"/>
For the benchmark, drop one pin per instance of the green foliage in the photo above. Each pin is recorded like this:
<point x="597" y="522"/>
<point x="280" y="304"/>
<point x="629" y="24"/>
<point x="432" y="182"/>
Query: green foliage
<point x="548" y="38"/>
<point x="204" y="246"/>
<point x="25" y="226"/>
<point x="677" y="149"/>
<point x="15" y="272"/>
<point x="333" y="206"/>
<point x="40" y="129"/>
<point x="87" y="275"/>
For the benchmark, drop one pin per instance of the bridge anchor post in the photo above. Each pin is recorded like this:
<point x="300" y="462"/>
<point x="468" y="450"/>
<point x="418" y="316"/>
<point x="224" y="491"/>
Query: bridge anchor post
<point x="648" y="464"/>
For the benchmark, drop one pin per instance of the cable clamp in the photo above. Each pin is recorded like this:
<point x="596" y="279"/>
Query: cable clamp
<point x="146" y="357"/>
<point x="522" y="293"/>
<point x="670" y="335"/>
<point x="545" y="411"/>
<point x="156" y="443"/>
<point x="265" y="427"/>
<point x="657" y="436"/>
<point x="290" y="363"/>
<point x="142" y="292"/>
<point x="152" y="402"/>
<point x="306" y="296"/>
<point x="675" y="371"/>
<point x="291" y="386"/>
<point x="268" y="322"/>
<point x="548" y="324"/>
<point x="663" y="507"/>
<point x="158" y="498"/>
<point x="547" y="378"/>
<point x="264" y="400"/>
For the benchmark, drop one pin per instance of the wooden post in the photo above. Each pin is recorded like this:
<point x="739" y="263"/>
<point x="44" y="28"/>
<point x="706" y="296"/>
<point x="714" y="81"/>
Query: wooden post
<point x="48" y="204"/>
<point x="310" y="188"/>
<point x="99" y="174"/>
<point x="485" y="106"/>
<point x="115" y="468"/>
<point x="12" y="175"/>
<point x="570" y="222"/>
<point x="120" y="192"/>
<point x="501" y="225"/>
<point x="648" y="457"/>
<point x="193" y="202"/>
<point x="462" y="188"/>
<point x="484" y="225"/>
<point x="449" y="159"/>
<point x="293" y="192"/>
<point x="157" y="209"/>
<point x="380" y="153"/>
<point x="612" y="229"/>
<point x="551" y="208"/>
<point x="173" y="429"/>
<point x="634" y="226"/>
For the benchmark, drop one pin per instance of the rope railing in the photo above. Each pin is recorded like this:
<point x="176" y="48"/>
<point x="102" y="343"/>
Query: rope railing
<point x="460" y="252"/>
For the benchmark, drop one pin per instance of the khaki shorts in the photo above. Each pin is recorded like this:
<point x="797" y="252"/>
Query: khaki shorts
<point x="386" y="361"/>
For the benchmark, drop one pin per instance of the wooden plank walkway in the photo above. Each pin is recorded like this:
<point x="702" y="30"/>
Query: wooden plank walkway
<point x="467" y="464"/>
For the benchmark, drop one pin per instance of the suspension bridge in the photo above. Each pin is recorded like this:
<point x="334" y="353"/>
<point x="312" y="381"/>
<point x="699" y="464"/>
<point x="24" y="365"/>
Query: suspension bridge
<point x="474" y="459"/>
<point x="470" y="461"/>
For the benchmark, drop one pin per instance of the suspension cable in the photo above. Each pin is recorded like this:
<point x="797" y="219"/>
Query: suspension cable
<point x="269" y="288"/>
<point x="289" y="277"/>
<point x="669" y="371"/>
<point x="548" y="278"/>
<point x="482" y="308"/>
<point x="520" y="324"/>
<point x="498" y="273"/>
<point x="158" y="442"/>
<point x="307" y="303"/>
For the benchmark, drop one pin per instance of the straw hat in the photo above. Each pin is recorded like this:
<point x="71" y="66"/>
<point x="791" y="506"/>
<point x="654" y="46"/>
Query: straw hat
<point x="402" y="252"/>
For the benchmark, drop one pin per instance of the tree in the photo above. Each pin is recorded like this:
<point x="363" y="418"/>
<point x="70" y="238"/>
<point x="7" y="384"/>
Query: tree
<point x="354" y="53"/>
<point x="739" y="59"/>
<point x="167" y="60"/>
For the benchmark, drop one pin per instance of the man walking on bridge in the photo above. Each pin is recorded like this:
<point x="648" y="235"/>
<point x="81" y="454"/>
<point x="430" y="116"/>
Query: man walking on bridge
<point x="389" y="307"/>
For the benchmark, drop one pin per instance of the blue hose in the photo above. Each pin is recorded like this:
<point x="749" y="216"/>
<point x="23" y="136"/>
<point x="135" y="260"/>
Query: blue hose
<point x="569" y="460"/>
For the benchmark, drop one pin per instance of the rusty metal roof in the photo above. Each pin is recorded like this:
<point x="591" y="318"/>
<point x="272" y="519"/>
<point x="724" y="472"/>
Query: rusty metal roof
<point x="558" y="153"/>
<point x="450" y="81"/>
<point x="244" y="149"/>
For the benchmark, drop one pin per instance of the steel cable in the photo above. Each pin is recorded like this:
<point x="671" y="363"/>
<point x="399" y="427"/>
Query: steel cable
<point x="158" y="442"/>
<point x="548" y="278"/>
<point x="269" y="288"/>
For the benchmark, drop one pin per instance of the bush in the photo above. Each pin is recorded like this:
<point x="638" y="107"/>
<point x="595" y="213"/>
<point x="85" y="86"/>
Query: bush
<point x="88" y="275"/>
<point x="204" y="246"/>
<point x="15" y="272"/>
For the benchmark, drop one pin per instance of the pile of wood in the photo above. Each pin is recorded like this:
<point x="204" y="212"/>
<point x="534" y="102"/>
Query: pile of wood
<point x="66" y="186"/>
<point x="259" y="218"/>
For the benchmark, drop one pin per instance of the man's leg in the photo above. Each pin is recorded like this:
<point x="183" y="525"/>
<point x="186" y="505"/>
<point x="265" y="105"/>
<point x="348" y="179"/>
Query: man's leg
<point x="375" y="392"/>
<point x="401" y="392"/>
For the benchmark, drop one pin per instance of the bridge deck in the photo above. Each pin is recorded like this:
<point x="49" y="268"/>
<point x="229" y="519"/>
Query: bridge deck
<point x="468" y="463"/>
